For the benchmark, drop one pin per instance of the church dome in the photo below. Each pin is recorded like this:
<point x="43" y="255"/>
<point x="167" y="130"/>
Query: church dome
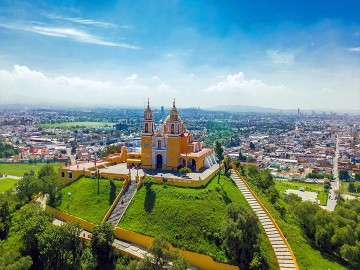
<point x="167" y="119"/>
<point x="174" y="114"/>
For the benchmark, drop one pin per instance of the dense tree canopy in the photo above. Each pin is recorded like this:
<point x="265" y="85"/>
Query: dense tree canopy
<point x="241" y="235"/>
<point x="7" y="150"/>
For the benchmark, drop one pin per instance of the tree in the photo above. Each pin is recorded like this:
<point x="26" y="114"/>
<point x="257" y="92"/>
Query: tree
<point x="31" y="222"/>
<point x="148" y="182"/>
<point x="27" y="187"/>
<point x="88" y="261"/>
<point x="101" y="241"/>
<point x="126" y="263"/>
<point x="112" y="191"/>
<point x="5" y="217"/>
<point x="344" y="175"/>
<point x="351" y="187"/>
<point x="305" y="213"/>
<point x="327" y="186"/>
<point x="357" y="176"/>
<point x="60" y="247"/>
<point x="161" y="256"/>
<point x="74" y="145"/>
<point x="227" y="166"/>
<point x="219" y="153"/>
<point x="240" y="235"/>
<point x="351" y="254"/>
<point x="49" y="184"/>
<point x="185" y="170"/>
<point x="12" y="260"/>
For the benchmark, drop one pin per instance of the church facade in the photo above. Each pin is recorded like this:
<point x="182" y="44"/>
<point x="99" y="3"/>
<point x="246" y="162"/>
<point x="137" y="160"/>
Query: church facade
<point x="171" y="146"/>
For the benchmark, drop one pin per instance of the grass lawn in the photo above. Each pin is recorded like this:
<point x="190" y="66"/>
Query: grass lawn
<point x="76" y="124"/>
<point x="18" y="169"/>
<point x="189" y="218"/>
<point x="84" y="202"/>
<point x="6" y="184"/>
<point x="307" y="257"/>
<point x="344" y="187"/>
<point x="282" y="185"/>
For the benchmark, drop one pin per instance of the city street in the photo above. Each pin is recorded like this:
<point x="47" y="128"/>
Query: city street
<point x="335" y="185"/>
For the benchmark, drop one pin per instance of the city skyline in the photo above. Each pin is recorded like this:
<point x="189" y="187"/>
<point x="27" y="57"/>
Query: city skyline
<point x="203" y="54"/>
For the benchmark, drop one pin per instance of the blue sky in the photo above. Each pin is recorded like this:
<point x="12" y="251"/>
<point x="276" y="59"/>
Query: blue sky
<point x="282" y="54"/>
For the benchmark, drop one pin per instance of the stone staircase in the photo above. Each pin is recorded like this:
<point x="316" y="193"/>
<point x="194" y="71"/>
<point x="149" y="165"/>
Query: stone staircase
<point x="123" y="203"/>
<point x="281" y="250"/>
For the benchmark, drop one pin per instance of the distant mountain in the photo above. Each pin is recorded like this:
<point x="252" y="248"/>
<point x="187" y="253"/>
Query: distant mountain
<point x="259" y="109"/>
<point x="242" y="108"/>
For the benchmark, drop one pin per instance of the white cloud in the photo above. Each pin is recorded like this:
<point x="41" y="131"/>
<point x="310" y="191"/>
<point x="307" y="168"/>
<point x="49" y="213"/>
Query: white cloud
<point x="278" y="57"/>
<point x="70" y="33"/>
<point x="192" y="75"/>
<point x="236" y="83"/>
<point x="84" y="21"/>
<point x="355" y="49"/>
<point x="163" y="86"/>
<point x="23" y="85"/>
<point x="131" y="77"/>
<point x="155" y="78"/>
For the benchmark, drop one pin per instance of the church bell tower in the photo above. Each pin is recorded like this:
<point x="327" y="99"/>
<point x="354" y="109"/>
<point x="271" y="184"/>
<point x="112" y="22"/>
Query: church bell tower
<point x="147" y="133"/>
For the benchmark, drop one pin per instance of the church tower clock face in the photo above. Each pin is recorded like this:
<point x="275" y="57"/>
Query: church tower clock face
<point x="146" y="145"/>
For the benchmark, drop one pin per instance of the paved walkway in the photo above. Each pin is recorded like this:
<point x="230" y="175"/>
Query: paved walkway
<point x="123" y="203"/>
<point x="332" y="200"/>
<point x="122" y="169"/>
<point x="304" y="195"/>
<point x="11" y="176"/>
<point x="282" y="252"/>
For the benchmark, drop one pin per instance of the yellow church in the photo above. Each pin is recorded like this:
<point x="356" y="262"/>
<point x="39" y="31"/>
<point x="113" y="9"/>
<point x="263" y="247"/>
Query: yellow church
<point x="171" y="146"/>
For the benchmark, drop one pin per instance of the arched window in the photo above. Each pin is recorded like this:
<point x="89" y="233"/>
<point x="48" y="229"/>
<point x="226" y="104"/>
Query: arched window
<point x="159" y="143"/>
<point x="146" y="128"/>
<point x="172" y="129"/>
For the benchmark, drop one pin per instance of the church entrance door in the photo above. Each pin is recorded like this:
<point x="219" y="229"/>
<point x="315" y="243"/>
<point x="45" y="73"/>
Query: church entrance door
<point x="159" y="161"/>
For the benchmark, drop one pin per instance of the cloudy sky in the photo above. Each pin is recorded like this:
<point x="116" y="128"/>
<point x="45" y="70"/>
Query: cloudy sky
<point x="280" y="54"/>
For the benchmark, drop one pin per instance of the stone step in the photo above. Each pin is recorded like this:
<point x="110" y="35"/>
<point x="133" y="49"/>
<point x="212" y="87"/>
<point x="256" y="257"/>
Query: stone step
<point x="281" y="261"/>
<point x="287" y="267"/>
<point x="281" y="250"/>
<point x="285" y="258"/>
<point x="123" y="203"/>
<point x="283" y="253"/>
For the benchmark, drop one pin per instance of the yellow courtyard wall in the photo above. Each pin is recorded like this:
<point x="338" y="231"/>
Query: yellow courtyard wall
<point x="67" y="217"/>
<point x="185" y="183"/>
<point x="196" y="259"/>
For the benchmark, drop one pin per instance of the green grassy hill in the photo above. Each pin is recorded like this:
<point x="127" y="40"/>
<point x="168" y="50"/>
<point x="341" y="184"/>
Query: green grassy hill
<point x="189" y="218"/>
<point x="84" y="202"/>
